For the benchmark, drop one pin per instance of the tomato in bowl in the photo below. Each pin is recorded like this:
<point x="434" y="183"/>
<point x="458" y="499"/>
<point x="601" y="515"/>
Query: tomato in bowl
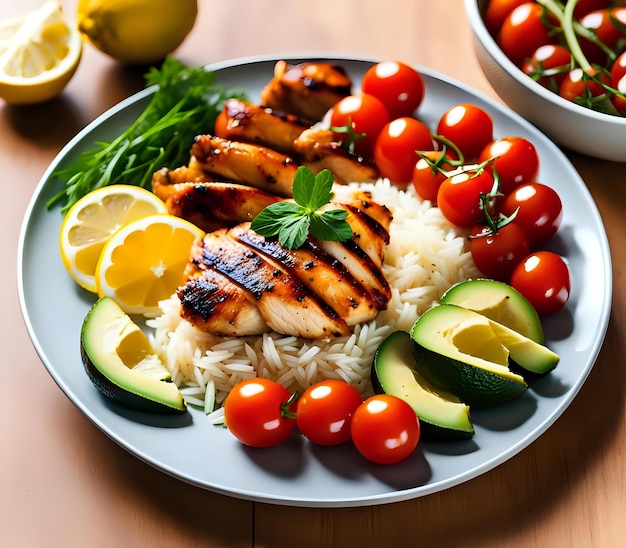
<point x="569" y="124"/>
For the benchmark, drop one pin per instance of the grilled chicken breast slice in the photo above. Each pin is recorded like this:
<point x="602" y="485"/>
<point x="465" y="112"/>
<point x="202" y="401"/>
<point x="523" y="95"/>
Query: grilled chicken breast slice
<point x="322" y="274"/>
<point x="252" y="165"/>
<point x="213" y="205"/>
<point x="243" y="121"/>
<point x="214" y="304"/>
<point x="306" y="90"/>
<point x="285" y="303"/>
<point x="318" y="149"/>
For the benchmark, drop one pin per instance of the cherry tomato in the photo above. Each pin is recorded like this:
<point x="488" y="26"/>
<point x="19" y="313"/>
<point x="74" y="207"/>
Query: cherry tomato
<point x="585" y="6"/>
<point x="396" y="146"/>
<point x="618" y="82"/>
<point x="539" y="211"/>
<point x="548" y="65"/>
<point x="522" y="32"/>
<point x="516" y="161"/>
<point x="496" y="254"/>
<point x="459" y="197"/>
<point x="580" y="88"/>
<point x="427" y="179"/>
<point x="385" y="429"/>
<point x="400" y="87"/>
<point x="469" y="127"/>
<point x="255" y="412"/>
<point x="605" y="24"/>
<point x="497" y="11"/>
<point x="365" y="115"/>
<point x="543" y="278"/>
<point x="324" y="411"/>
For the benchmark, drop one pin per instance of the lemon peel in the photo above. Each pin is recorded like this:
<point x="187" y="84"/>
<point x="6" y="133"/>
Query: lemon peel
<point x="136" y="31"/>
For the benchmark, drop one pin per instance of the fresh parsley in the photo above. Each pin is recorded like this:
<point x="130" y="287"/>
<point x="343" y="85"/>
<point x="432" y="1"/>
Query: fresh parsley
<point x="293" y="221"/>
<point x="186" y="103"/>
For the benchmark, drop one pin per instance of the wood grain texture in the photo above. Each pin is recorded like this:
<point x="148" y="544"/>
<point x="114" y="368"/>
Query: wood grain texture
<point x="65" y="483"/>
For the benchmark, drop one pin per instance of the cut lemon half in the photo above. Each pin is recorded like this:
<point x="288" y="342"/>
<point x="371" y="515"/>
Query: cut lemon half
<point x="92" y="220"/>
<point x="144" y="262"/>
<point x="39" y="53"/>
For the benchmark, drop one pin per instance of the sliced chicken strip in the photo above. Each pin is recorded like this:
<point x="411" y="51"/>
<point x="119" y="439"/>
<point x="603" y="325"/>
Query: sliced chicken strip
<point x="286" y="304"/>
<point x="318" y="149"/>
<point x="242" y="121"/>
<point x="214" y="205"/>
<point x="252" y="165"/>
<point x="322" y="274"/>
<point x="306" y="90"/>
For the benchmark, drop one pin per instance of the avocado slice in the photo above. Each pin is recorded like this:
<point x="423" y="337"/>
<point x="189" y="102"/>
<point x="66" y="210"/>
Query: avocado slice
<point x="122" y="364"/>
<point x="457" y="350"/>
<point x="499" y="302"/>
<point x="441" y="415"/>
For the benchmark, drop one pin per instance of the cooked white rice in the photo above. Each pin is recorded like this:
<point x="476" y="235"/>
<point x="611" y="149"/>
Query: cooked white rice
<point x="426" y="255"/>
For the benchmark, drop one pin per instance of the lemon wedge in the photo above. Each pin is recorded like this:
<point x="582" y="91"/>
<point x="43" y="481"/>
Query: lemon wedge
<point x="143" y="262"/>
<point x="136" y="31"/>
<point x="91" y="221"/>
<point x="39" y="54"/>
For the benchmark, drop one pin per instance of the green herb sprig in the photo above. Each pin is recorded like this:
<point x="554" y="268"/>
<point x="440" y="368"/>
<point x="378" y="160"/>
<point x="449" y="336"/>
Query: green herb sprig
<point x="186" y="103"/>
<point x="293" y="221"/>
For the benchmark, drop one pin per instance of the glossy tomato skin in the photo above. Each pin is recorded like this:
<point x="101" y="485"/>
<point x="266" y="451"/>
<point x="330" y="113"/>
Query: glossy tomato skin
<point x="496" y="254"/>
<point x="395" y="149"/>
<point x="324" y="411"/>
<point x="469" y="127"/>
<point x="497" y="11"/>
<point x="544" y="279"/>
<point x="548" y="65"/>
<point x="516" y="161"/>
<point x="539" y="211"/>
<point x="522" y="32"/>
<point x="365" y="115"/>
<point x="459" y="197"/>
<point x="426" y="179"/>
<point x="385" y="429"/>
<point x="400" y="87"/>
<point x="618" y="82"/>
<point x="606" y="25"/>
<point x="577" y="86"/>
<point x="254" y="412"/>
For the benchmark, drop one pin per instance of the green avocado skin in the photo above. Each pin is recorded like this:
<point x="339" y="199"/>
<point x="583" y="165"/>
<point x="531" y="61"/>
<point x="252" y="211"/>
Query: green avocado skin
<point x="120" y="395"/>
<point x="394" y="360"/>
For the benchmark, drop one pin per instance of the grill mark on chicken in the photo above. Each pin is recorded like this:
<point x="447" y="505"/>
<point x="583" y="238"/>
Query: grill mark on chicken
<point x="243" y="121"/>
<point x="214" y="304"/>
<point x="306" y="90"/>
<point x="370" y="235"/>
<point x="286" y="304"/>
<point x="246" y="163"/>
<point x="324" y="275"/>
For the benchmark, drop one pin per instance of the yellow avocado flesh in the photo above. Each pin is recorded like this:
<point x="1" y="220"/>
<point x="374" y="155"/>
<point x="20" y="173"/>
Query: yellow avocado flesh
<point x="122" y="363"/>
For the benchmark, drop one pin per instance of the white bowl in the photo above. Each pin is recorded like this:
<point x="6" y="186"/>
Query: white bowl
<point x="570" y="125"/>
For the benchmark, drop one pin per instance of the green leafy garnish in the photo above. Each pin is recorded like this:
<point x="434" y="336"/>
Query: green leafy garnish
<point x="186" y="103"/>
<point x="293" y="221"/>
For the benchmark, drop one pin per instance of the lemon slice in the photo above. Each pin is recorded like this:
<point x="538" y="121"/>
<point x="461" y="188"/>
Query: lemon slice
<point x="93" y="219"/>
<point x="143" y="262"/>
<point x="39" y="53"/>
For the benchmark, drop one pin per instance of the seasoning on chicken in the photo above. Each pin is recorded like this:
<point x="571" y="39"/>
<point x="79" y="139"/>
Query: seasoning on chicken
<point x="253" y="165"/>
<point x="318" y="149"/>
<point x="285" y="303"/>
<point x="307" y="90"/>
<point x="243" y="121"/>
<point x="209" y="204"/>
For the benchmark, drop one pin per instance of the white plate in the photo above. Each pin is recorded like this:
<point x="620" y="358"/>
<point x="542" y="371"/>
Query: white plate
<point x="296" y="473"/>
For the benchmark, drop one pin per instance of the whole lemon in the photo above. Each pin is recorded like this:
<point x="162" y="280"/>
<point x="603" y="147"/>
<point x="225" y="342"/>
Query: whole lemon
<point x="136" y="31"/>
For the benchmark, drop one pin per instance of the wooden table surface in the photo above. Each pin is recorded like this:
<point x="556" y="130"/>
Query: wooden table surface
<point x="64" y="483"/>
